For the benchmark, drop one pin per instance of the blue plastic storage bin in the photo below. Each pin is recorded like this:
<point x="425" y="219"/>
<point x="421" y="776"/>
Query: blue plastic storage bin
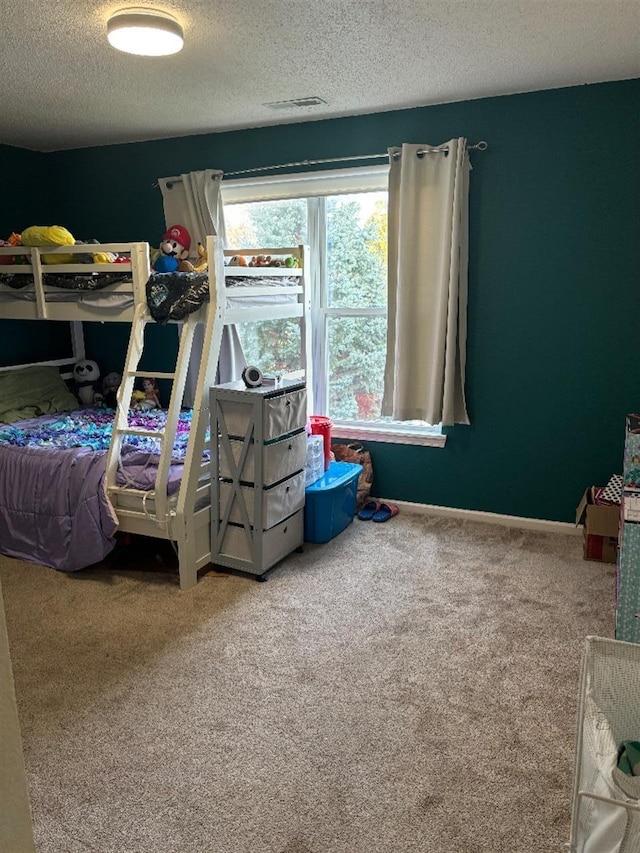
<point x="330" y="502"/>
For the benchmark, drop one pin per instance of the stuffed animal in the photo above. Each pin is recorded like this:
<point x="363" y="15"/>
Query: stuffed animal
<point x="202" y="263"/>
<point x="86" y="374"/>
<point x="268" y="261"/>
<point x="13" y="240"/>
<point x="56" y="235"/>
<point x="95" y="257"/>
<point x="136" y="399"/>
<point x="260" y="261"/>
<point x="49" y="235"/>
<point x="174" y="251"/>
<point x="6" y="259"/>
<point x="147" y="398"/>
<point x="110" y="385"/>
<point x="151" y="393"/>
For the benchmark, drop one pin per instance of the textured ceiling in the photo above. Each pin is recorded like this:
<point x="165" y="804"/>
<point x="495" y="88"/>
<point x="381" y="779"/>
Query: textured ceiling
<point x="65" y="87"/>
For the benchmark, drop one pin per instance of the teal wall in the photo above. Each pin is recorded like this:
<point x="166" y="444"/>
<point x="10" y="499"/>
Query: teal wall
<point x="26" y="189"/>
<point x="27" y="199"/>
<point x="552" y="365"/>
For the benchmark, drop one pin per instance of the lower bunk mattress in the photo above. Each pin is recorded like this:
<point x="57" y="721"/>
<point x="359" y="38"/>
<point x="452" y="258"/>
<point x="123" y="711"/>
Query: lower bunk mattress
<point x="54" y="509"/>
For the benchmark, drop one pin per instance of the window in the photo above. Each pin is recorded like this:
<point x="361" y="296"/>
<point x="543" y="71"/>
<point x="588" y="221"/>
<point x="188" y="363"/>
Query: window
<point x="342" y="216"/>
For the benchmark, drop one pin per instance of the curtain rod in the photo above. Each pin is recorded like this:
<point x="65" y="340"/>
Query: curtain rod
<point x="479" y="146"/>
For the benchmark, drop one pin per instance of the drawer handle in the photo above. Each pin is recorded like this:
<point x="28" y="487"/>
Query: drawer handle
<point x="288" y="487"/>
<point x="285" y="530"/>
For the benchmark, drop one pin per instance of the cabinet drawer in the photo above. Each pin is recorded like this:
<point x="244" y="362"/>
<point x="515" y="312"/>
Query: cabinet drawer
<point x="275" y="543"/>
<point x="278" y="502"/>
<point x="279" y="460"/>
<point x="281" y="415"/>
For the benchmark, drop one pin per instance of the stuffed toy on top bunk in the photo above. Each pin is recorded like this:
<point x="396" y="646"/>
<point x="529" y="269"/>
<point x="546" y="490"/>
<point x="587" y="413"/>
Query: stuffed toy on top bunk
<point x="37" y="236"/>
<point x="174" y="251"/>
<point x="176" y="286"/>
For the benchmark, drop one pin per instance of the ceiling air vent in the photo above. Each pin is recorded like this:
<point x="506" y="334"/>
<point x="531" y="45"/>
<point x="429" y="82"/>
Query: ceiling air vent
<point x="295" y="103"/>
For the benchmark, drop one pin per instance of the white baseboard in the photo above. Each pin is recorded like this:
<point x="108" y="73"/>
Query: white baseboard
<point x="540" y="524"/>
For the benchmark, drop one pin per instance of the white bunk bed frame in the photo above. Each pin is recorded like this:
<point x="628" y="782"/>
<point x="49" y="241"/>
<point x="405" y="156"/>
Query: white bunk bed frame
<point x="185" y="521"/>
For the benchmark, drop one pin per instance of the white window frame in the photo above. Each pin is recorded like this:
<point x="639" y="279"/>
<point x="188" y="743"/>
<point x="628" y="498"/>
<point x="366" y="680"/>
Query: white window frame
<point x="315" y="186"/>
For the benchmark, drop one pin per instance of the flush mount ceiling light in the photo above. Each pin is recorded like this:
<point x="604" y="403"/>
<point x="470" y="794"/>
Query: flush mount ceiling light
<point x="145" y="32"/>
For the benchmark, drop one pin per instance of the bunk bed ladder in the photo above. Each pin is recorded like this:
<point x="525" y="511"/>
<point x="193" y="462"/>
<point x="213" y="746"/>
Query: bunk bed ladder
<point x="167" y="435"/>
<point x="194" y="469"/>
<point x="179" y="523"/>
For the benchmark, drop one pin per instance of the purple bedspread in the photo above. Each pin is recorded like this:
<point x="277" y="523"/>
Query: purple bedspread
<point x="53" y="504"/>
<point x="53" y="507"/>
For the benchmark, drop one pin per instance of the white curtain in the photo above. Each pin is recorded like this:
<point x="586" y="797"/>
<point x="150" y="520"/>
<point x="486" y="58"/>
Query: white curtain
<point x="194" y="200"/>
<point x="427" y="309"/>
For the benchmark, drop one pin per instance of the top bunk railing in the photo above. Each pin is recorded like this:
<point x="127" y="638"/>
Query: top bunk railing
<point x="37" y="299"/>
<point x="276" y="300"/>
<point x="275" y="263"/>
<point x="269" y="283"/>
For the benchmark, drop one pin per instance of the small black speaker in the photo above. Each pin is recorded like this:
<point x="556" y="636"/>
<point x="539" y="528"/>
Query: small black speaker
<point x="252" y="376"/>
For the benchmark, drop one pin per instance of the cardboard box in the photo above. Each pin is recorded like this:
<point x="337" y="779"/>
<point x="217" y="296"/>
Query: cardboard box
<point x="601" y="524"/>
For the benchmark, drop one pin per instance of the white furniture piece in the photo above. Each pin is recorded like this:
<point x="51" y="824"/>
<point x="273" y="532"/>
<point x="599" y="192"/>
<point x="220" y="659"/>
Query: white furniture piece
<point x="606" y="802"/>
<point x="38" y="300"/>
<point x="185" y="518"/>
<point x="258" y="474"/>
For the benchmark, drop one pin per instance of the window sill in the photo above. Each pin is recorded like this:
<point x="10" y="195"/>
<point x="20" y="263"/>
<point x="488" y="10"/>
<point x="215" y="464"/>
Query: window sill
<point x="388" y="436"/>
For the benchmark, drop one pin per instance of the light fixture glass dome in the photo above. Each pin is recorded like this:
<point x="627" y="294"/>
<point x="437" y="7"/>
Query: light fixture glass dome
<point x="145" y="32"/>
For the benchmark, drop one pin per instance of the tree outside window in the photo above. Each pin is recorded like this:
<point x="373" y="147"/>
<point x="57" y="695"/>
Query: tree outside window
<point x="352" y="298"/>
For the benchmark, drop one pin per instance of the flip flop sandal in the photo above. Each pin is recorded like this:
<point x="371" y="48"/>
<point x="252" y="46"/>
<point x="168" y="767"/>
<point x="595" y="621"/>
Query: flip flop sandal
<point x="368" y="510"/>
<point x="385" y="512"/>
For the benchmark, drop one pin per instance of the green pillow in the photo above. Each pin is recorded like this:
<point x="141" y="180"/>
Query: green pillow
<point x="32" y="391"/>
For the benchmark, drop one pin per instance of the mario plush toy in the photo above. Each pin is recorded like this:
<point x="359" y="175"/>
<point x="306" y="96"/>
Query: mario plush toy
<point x="174" y="251"/>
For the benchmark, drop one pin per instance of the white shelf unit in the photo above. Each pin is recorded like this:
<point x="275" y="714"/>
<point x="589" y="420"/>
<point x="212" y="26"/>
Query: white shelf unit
<point x="258" y="476"/>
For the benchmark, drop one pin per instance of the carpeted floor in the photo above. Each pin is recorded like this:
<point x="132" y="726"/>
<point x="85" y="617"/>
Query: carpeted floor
<point x="409" y="687"/>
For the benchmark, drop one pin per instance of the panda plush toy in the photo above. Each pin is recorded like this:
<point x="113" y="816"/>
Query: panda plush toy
<point x="86" y="374"/>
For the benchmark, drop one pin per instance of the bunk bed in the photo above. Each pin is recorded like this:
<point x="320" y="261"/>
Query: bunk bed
<point x="170" y="498"/>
